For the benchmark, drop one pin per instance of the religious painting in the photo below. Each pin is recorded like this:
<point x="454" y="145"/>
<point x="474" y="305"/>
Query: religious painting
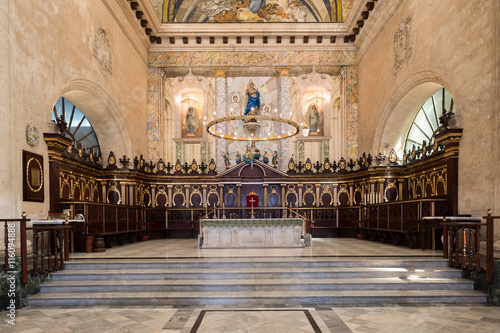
<point x="249" y="11"/>
<point x="192" y="110"/>
<point x="32" y="177"/>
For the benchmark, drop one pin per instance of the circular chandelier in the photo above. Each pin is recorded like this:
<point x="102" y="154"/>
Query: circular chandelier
<point x="253" y="125"/>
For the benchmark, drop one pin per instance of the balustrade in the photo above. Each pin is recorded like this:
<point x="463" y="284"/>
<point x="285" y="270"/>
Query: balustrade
<point x="50" y="247"/>
<point x="462" y="244"/>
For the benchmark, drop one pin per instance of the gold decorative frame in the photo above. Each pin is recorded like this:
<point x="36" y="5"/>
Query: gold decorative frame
<point x="327" y="189"/>
<point x="391" y="184"/>
<point x="310" y="190"/>
<point x="274" y="190"/>
<point x="161" y="192"/>
<point x="33" y="177"/>
<point x="343" y="189"/>
<point x="113" y="187"/>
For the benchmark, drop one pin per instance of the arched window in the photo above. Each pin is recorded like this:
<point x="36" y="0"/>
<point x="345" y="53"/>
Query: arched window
<point x="78" y="128"/>
<point x="426" y="122"/>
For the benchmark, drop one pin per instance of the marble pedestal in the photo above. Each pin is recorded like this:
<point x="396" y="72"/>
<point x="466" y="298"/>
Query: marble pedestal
<point x="251" y="233"/>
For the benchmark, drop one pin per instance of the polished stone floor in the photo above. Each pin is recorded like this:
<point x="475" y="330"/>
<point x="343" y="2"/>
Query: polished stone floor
<point x="270" y="318"/>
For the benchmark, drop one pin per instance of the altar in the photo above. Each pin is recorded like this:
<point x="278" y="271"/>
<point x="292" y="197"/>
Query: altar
<point x="251" y="233"/>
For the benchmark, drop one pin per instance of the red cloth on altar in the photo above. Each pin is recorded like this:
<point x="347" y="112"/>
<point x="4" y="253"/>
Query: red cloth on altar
<point x="252" y="200"/>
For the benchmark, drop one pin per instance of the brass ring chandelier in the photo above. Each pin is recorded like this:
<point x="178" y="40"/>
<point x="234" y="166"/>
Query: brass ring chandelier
<point x="252" y="119"/>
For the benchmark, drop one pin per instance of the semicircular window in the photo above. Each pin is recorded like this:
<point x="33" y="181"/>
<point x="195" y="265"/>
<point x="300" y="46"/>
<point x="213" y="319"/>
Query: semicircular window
<point x="426" y="122"/>
<point x="78" y="128"/>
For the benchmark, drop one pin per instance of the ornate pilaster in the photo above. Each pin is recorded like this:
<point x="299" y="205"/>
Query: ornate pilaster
<point x="300" y="186"/>
<point x="220" y="110"/>
<point x="265" y="194"/>
<point x="187" y="195"/>
<point x="169" y="192"/>
<point x="349" y="79"/>
<point x="204" y="197"/>
<point x="153" y="110"/>
<point x="318" y="197"/>
<point x="153" y="195"/>
<point x="284" y="112"/>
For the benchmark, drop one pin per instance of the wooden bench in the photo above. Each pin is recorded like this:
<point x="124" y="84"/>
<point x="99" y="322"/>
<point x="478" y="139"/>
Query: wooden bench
<point x="120" y="237"/>
<point x="180" y="225"/>
<point x="324" y="225"/>
<point x="394" y="236"/>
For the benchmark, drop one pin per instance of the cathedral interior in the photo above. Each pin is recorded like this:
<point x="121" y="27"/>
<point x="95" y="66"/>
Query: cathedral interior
<point x="164" y="120"/>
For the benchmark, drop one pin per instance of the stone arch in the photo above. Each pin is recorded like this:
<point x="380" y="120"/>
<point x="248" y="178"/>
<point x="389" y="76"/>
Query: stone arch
<point x="102" y="112"/>
<point x="395" y="119"/>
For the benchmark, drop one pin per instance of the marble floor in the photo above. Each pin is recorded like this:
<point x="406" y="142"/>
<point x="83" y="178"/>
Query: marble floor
<point x="270" y="318"/>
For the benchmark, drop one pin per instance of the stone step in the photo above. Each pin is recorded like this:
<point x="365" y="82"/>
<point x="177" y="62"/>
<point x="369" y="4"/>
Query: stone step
<point x="258" y="297"/>
<point x="250" y="263"/>
<point x="256" y="285"/>
<point x="256" y="273"/>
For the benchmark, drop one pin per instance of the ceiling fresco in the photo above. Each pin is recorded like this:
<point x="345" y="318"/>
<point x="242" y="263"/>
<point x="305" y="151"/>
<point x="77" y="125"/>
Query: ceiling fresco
<point x="246" y="11"/>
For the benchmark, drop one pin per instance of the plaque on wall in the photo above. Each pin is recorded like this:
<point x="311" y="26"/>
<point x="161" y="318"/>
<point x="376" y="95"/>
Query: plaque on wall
<point x="32" y="177"/>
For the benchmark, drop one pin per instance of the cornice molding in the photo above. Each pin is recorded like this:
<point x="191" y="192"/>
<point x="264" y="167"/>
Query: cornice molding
<point x="134" y="25"/>
<point x="384" y="11"/>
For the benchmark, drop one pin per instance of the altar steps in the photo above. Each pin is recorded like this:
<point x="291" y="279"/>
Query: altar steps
<point x="252" y="282"/>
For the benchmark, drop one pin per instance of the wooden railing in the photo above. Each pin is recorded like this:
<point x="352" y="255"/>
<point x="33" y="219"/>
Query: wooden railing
<point x="462" y="245"/>
<point x="50" y="247"/>
<point x="107" y="219"/>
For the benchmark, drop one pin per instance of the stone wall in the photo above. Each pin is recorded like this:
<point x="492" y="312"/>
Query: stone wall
<point x="56" y="48"/>
<point x="450" y="43"/>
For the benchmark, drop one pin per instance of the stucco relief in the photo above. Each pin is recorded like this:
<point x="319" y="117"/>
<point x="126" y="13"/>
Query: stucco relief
<point x="401" y="45"/>
<point x="102" y="51"/>
<point x="32" y="135"/>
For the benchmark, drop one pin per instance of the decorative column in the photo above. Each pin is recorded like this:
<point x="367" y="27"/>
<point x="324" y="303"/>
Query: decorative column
<point x="265" y="195"/>
<point x="221" y="194"/>
<point x="124" y="196"/>
<point x="204" y="197"/>
<point x="283" y="199"/>
<point x="300" y="194"/>
<point x="381" y="190"/>
<point x="285" y="145"/>
<point x="238" y="186"/>
<point x="104" y="194"/>
<point x="220" y="111"/>
<point x="335" y="195"/>
<point x="131" y="194"/>
<point x="187" y="195"/>
<point x="153" y="195"/>
<point x="400" y="187"/>
<point x="318" y="198"/>
<point x="351" y="199"/>
<point x="169" y="191"/>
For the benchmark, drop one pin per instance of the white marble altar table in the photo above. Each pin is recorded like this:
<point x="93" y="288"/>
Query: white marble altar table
<point x="247" y="233"/>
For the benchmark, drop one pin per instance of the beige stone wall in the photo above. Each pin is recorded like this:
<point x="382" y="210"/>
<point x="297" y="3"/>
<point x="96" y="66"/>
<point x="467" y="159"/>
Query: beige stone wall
<point x="47" y="52"/>
<point x="454" y="44"/>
